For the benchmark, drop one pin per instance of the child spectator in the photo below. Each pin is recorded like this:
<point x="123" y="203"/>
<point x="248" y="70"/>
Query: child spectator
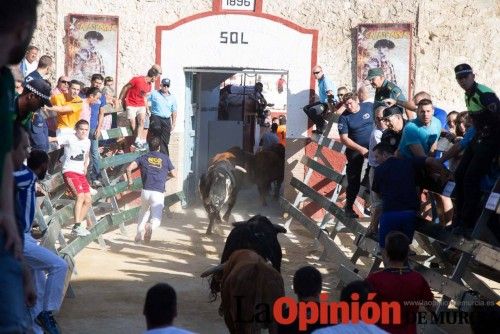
<point x="156" y="168"/>
<point x="392" y="284"/>
<point x="160" y="309"/>
<point x="307" y="284"/>
<point x="76" y="161"/>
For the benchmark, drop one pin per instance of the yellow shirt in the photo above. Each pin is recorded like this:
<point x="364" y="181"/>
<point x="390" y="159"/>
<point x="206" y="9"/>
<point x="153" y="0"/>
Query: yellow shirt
<point x="68" y="119"/>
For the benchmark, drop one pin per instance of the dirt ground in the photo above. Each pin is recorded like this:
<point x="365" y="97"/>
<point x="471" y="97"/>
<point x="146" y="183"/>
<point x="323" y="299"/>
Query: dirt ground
<point x="110" y="285"/>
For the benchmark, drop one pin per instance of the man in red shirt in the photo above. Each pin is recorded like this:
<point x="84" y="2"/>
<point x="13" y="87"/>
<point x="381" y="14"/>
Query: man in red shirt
<point x="397" y="282"/>
<point x="134" y="100"/>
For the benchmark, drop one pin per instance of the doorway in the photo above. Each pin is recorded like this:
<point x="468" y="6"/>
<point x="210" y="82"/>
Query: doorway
<point x="220" y="113"/>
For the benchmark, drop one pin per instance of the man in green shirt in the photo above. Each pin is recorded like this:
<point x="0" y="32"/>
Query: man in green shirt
<point x="483" y="107"/>
<point x="16" y="29"/>
<point x="384" y="89"/>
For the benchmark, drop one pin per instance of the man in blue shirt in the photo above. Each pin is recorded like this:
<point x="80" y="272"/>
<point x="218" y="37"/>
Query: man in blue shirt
<point x="326" y="91"/>
<point x="97" y="101"/>
<point x="421" y="134"/>
<point x="355" y="127"/>
<point x="42" y="71"/>
<point x="163" y="114"/>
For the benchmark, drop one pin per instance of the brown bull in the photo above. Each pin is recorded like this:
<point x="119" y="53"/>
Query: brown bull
<point x="250" y="286"/>
<point x="266" y="167"/>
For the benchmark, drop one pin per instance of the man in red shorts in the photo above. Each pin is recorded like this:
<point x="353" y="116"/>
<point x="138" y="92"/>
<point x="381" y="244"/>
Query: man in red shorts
<point x="76" y="161"/>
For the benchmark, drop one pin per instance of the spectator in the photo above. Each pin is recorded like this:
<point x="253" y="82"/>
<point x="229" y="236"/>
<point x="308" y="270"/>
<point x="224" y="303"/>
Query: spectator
<point x="156" y="168"/>
<point x="160" y="309"/>
<point x="361" y="289"/>
<point x="62" y="86"/>
<point x="340" y="105"/>
<point x="384" y="89"/>
<point x="29" y="62"/>
<point x="307" y="284"/>
<point x="363" y="95"/>
<point x="394" y="182"/>
<point x="97" y="103"/>
<point x="280" y="84"/>
<point x="483" y="106"/>
<point x="76" y="162"/>
<point x="355" y="126"/>
<point x="18" y="23"/>
<point x="42" y="71"/>
<point x="134" y="97"/>
<point x="451" y="122"/>
<point x="326" y="102"/>
<point x="375" y="200"/>
<point x="281" y="132"/>
<point x="462" y="123"/>
<point x="49" y="270"/>
<point x="393" y="118"/>
<point x="391" y="284"/>
<point x="420" y="135"/>
<point x="269" y="138"/>
<point x="163" y="114"/>
<point x="109" y="92"/>
<point x="36" y="94"/>
<point x="68" y="108"/>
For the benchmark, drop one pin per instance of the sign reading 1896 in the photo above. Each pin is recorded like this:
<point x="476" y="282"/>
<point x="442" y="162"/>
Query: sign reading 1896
<point x="238" y="5"/>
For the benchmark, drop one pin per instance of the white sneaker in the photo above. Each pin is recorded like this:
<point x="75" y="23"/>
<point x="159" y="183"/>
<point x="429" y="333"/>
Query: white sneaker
<point x="80" y="231"/>
<point x="93" y="191"/>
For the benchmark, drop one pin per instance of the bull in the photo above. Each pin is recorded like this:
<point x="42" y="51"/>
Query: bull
<point x="266" y="167"/>
<point x="221" y="184"/>
<point x="250" y="286"/>
<point x="257" y="234"/>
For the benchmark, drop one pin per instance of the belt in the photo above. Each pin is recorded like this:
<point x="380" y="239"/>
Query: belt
<point x="165" y="118"/>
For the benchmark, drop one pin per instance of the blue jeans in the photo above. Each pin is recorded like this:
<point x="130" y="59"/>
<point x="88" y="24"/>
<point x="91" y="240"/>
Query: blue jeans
<point x="13" y="311"/>
<point x="403" y="221"/>
<point x="95" y="172"/>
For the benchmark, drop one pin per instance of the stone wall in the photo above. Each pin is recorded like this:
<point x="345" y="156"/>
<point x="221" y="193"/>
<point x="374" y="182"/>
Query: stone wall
<point x="446" y="33"/>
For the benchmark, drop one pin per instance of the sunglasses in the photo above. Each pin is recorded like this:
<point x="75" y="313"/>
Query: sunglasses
<point x="166" y="85"/>
<point x="340" y="95"/>
<point x="317" y="72"/>
<point x="65" y="82"/>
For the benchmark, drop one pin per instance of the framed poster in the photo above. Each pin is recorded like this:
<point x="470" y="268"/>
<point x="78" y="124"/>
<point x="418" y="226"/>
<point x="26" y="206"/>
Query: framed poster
<point x="91" y="44"/>
<point x="388" y="46"/>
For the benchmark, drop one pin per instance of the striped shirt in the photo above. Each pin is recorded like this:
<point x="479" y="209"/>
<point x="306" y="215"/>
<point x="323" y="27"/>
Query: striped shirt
<point x="24" y="181"/>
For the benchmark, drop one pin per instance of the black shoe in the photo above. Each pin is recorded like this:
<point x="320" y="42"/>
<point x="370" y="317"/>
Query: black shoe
<point x="46" y="320"/>
<point x="349" y="213"/>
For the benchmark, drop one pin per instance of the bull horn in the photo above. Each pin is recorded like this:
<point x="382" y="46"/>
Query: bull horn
<point x="241" y="169"/>
<point x="279" y="229"/>
<point x="213" y="270"/>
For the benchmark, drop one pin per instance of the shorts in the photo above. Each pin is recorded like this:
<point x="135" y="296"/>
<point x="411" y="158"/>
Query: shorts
<point x="77" y="183"/>
<point x="132" y="112"/>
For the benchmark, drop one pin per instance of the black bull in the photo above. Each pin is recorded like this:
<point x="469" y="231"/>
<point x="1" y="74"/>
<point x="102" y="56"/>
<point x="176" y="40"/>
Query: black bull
<point x="257" y="234"/>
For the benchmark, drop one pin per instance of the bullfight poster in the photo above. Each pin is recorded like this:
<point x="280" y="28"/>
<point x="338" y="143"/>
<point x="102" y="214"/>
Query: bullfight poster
<point x="91" y="43"/>
<point x="387" y="46"/>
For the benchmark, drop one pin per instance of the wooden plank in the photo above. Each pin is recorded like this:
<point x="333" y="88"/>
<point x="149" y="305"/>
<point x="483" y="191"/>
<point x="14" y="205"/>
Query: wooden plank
<point x="347" y="275"/>
<point x="330" y="246"/>
<point x="53" y="183"/>
<point x="323" y="170"/>
<point x="332" y="144"/>
<point x="120" y="132"/>
<point x="101" y="227"/>
<point x="119" y="159"/>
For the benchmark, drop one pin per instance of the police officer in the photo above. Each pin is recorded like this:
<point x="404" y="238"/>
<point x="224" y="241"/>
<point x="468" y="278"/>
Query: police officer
<point x="483" y="107"/>
<point x="384" y="89"/>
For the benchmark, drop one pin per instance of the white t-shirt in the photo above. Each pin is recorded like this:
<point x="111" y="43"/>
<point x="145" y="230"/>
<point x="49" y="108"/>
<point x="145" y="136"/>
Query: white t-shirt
<point x="359" y="328"/>
<point x="168" y="330"/>
<point x="75" y="151"/>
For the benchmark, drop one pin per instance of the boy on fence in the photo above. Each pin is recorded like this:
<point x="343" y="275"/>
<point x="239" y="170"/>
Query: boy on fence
<point x="76" y="161"/>
<point x="49" y="270"/>
<point x="156" y="168"/>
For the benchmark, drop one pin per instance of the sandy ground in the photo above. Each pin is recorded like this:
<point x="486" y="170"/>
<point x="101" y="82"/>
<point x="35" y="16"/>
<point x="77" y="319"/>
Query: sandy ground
<point x="110" y="285"/>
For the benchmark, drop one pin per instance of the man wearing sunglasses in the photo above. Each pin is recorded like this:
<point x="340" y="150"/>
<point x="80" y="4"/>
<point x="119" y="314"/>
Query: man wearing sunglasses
<point x="326" y="103"/>
<point x="163" y="114"/>
<point x="62" y="86"/>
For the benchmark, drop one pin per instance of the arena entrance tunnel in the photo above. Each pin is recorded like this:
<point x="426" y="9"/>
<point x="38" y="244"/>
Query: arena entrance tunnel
<point x="220" y="111"/>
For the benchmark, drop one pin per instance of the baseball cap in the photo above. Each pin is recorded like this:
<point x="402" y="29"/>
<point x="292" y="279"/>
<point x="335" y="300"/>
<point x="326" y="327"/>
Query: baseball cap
<point x="40" y="88"/>
<point x="375" y="72"/>
<point x="394" y="110"/>
<point x="462" y="70"/>
<point x="165" y="82"/>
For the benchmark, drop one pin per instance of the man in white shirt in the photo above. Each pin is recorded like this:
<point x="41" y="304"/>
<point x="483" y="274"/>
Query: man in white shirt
<point x="76" y="161"/>
<point x="29" y="62"/>
<point x="160" y="309"/>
